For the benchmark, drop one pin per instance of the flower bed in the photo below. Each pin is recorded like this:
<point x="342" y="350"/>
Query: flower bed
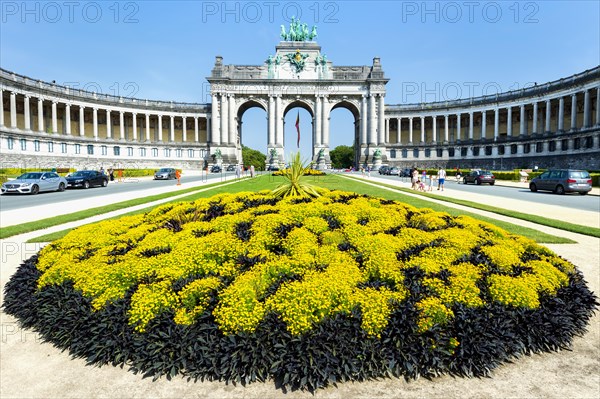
<point x="307" y="292"/>
<point x="307" y="172"/>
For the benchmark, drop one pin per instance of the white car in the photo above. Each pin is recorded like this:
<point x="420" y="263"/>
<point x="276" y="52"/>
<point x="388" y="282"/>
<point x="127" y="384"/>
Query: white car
<point x="35" y="182"/>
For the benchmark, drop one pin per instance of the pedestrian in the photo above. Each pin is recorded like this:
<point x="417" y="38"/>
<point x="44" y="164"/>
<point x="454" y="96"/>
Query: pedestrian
<point x="414" y="178"/>
<point x="420" y="185"/>
<point x="423" y="175"/>
<point x="237" y="171"/>
<point x="251" y="170"/>
<point x="111" y="174"/>
<point x="101" y="170"/>
<point x="430" y="183"/>
<point x="368" y="171"/>
<point x="441" y="178"/>
<point x="120" y="175"/>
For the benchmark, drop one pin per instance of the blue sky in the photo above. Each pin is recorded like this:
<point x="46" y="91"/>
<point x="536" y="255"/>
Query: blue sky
<point x="431" y="51"/>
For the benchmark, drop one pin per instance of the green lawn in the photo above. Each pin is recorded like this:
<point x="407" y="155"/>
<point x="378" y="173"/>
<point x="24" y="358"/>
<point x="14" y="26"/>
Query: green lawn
<point x="341" y="183"/>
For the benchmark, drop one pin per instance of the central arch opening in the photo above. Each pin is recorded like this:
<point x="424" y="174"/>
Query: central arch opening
<point x="345" y="130"/>
<point x="301" y="113"/>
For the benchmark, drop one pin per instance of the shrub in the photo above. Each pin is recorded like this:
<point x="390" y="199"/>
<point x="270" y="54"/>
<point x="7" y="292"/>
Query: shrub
<point x="304" y="291"/>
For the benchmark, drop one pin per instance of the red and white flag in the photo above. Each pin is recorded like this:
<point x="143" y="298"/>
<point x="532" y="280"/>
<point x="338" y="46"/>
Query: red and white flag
<point x="298" y="128"/>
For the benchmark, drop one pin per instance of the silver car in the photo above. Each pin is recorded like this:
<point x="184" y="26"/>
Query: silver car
<point x="35" y="182"/>
<point x="563" y="181"/>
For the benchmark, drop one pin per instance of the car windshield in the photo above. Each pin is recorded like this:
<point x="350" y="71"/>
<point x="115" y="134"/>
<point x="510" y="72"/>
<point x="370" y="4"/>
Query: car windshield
<point x="164" y="170"/>
<point x="32" y="176"/>
<point x="80" y="174"/>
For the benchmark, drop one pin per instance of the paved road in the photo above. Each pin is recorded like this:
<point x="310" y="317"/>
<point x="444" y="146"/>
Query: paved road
<point x="568" y="201"/>
<point x="15" y="201"/>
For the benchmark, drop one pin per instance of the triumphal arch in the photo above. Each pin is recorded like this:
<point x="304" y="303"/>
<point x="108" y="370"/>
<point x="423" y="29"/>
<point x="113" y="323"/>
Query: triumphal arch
<point x="298" y="74"/>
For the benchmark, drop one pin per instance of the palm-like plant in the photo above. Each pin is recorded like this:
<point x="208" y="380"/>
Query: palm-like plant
<point x="293" y="186"/>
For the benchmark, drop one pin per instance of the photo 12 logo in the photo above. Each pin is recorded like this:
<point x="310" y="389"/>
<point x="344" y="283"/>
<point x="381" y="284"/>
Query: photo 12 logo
<point x="69" y="11"/>
<point x="422" y="92"/>
<point x="269" y="11"/>
<point x="469" y="11"/>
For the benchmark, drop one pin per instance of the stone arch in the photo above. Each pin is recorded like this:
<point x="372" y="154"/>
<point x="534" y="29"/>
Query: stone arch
<point x="302" y="103"/>
<point x="245" y="105"/>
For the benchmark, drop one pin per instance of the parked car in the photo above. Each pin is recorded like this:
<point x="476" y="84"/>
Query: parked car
<point x="230" y="168"/>
<point x="272" y="168"/>
<point x="165" y="174"/>
<point x="394" y="171"/>
<point x="480" y="176"/>
<point x="35" y="182"/>
<point x="87" y="179"/>
<point x="563" y="181"/>
<point x="215" y="169"/>
<point x="383" y="169"/>
<point x="405" y="172"/>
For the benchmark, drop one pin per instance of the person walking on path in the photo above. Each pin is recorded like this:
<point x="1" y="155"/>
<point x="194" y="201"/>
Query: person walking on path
<point x="430" y="183"/>
<point x="414" y="178"/>
<point x="441" y="178"/>
<point x="120" y="175"/>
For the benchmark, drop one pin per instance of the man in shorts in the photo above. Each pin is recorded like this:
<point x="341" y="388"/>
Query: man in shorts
<point x="441" y="178"/>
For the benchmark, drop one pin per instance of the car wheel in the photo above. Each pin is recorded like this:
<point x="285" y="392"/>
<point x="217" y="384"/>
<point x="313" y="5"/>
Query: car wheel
<point x="35" y="189"/>
<point x="104" y="183"/>
<point x="533" y="187"/>
<point x="560" y="190"/>
<point x="61" y="187"/>
<point x="86" y="184"/>
<point x="583" y="192"/>
<point x="492" y="183"/>
<point x="465" y="180"/>
<point x="478" y="182"/>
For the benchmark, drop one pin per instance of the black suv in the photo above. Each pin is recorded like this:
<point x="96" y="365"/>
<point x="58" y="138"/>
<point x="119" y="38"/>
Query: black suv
<point x="216" y="169"/>
<point x="87" y="179"/>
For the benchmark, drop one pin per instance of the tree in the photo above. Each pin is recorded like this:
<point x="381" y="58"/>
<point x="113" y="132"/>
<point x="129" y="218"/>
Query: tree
<point x="342" y="156"/>
<point x="253" y="157"/>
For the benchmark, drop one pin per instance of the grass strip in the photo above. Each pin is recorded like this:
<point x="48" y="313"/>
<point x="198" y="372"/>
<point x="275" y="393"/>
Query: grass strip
<point x="332" y="182"/>
<point x="557" y="224"/>
<point x="10" y="231"/>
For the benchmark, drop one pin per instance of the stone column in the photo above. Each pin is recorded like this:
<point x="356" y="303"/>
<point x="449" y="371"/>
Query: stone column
<point x="458" y="127"/>
<point x="446" y="135"/>
<point x="434" y="129"/>
<point x="232" y="126"/>
<point x="272" y="117"/>
<point x="95" y="122"/>
<point x="574" y="111"/>
<point x="160" y="133"/>
<point x="325" y="117"/>
<point x="122" y="125"/>
<point x="422" y="129"/>
<point x="399" y="134"/>
<point x="147" y="127"/>
<point x="81" y="121"/>
<point x="13" y="110"/>
<point x="586" y="109"/>
<point x="2" y="107"/>
<point x="54" y="118"/>
<point x="184" y="122"/>
<point x="108" y="125"/>
<point x="279" y="123"/>
<point x="522" y="121"/>
<point x="67" y="118"/>
<point x="196" y="132"/>
<point x="509" y="122"/>
<point x="215" y="138"/>
<point x="387" y="130"/>
<point x="381" y="116"/>
<point x="483" y="125"/>
<point x="372" y="126"/>
<point x="27" y="113"/>
<point x="40" y="115"/>
<point x="471" y="125"/>
<point x="548" y="116"/>
<point x="561" y="115"/>
<point x="534" y="130"/>
<point x="410" y="130"/>
<point x="172" y="129"/>
<point x="598" y="107"/>
<point x="363" y="121"/>
<point x="496" y="124"/>
<point x="224" y="119"/>
<point x="318" y="121"/>
<point x="134" y="126"/>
